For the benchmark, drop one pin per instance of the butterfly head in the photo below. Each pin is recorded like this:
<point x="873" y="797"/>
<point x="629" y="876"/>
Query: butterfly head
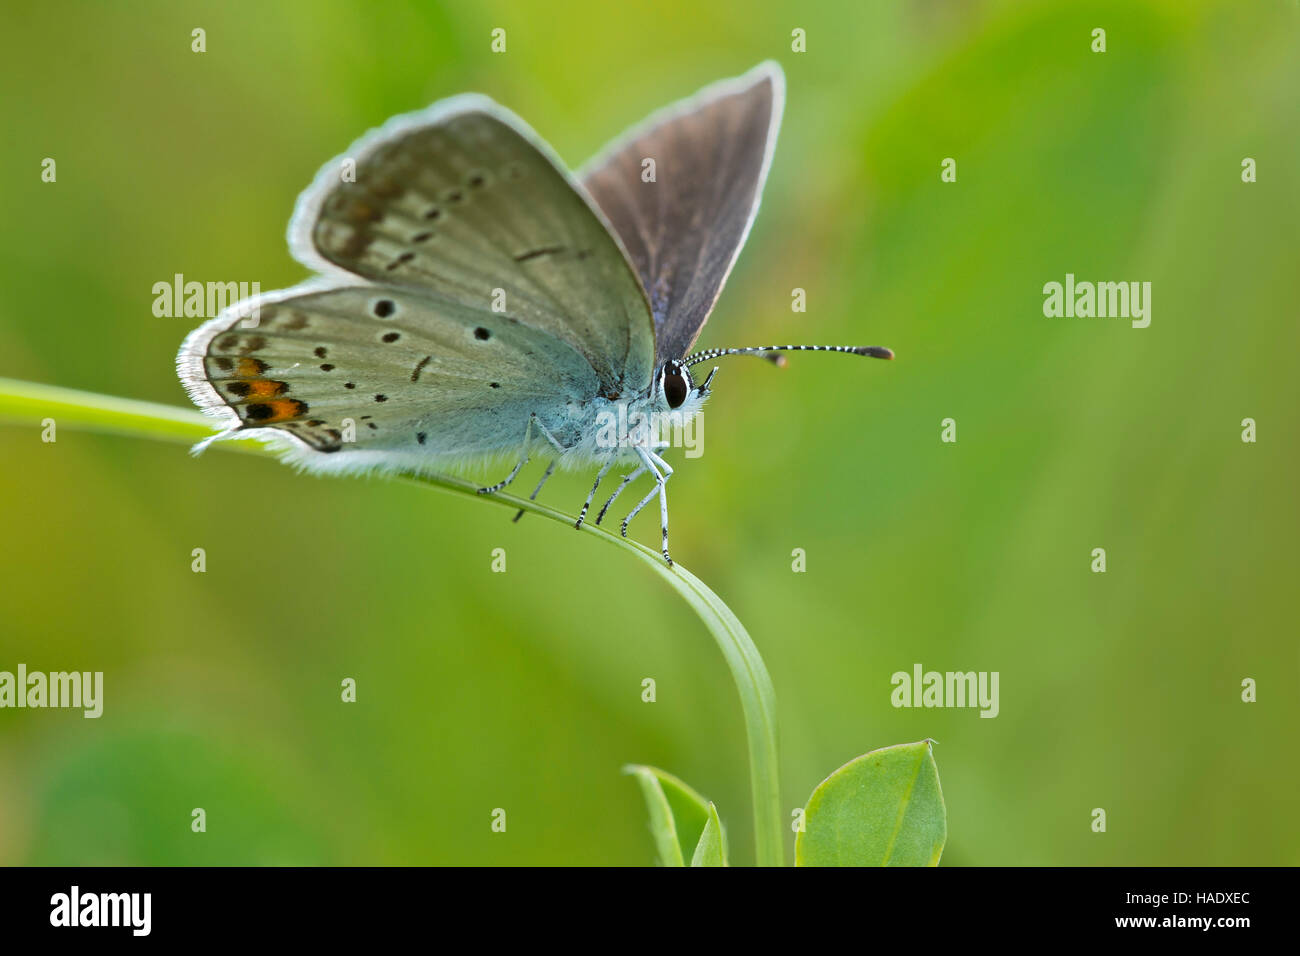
<point x="675" y="389"/>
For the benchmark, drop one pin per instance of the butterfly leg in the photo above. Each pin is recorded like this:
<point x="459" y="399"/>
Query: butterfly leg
<point x="662" y="471"/>
<point x="627" y="480"/>
<point x="550" y="470"/>
<point x="493" y="489"/>
<point x="653" y="465"/>
<point x="604" y="469"/>
<point x="546" y="433"/>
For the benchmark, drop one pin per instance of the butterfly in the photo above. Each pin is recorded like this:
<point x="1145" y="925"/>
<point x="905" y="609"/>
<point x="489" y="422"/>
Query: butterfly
<point x="476" y="302"/>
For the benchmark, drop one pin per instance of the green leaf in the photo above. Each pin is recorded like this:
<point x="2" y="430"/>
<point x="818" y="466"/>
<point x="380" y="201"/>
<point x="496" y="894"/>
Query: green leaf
<point x="26" y="403"/>
<point x="712" y="848"/>
<point x="678" y="815"/>
<point x="884" y="808"/>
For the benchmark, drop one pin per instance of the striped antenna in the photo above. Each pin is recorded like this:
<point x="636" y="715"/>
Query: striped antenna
<point x="764" y="351"/>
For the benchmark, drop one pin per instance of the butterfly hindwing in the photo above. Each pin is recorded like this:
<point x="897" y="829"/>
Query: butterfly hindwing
<point x="384" y="375"/>
<point x="684" y="229"/>
<point x="464" y="202"/>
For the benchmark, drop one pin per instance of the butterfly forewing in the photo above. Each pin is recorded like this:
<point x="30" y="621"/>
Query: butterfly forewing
<point x="684" y="229"/>
<point x="461" y="202"/>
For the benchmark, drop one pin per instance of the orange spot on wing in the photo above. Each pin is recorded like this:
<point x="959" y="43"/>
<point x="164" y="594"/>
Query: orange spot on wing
<point x="266" y="388"/>
<point x="282" y="409"/>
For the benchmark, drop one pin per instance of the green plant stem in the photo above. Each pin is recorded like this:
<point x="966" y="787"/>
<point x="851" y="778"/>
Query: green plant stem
<point x="26" y="403"/>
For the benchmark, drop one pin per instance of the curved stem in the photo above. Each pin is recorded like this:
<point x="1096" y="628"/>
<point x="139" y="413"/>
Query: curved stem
<point x="26" y="403"/>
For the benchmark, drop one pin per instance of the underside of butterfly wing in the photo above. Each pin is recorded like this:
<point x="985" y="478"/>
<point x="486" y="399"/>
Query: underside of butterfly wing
<point x="464" y="201"/>
<point x="385" y="377"/>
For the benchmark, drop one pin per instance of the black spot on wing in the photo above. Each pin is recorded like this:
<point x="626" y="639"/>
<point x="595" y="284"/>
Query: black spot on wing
<point x="535" y="253"/>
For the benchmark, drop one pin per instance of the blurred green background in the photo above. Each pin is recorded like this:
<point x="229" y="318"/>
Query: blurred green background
<point x="522" y="690"/>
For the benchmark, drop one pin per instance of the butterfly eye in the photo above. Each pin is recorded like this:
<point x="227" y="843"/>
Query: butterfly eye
<point x="675" y="385"/>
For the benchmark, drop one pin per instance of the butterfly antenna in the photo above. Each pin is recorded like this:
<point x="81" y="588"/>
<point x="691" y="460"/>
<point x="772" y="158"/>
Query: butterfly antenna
<point x="771" y="352"/>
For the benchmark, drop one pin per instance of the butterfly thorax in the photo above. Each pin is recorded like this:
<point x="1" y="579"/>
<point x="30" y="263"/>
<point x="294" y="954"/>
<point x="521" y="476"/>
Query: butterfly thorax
<point x="616" y="428"/>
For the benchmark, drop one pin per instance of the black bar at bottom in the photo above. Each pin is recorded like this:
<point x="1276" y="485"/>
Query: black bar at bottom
<point x="300" y="905"/>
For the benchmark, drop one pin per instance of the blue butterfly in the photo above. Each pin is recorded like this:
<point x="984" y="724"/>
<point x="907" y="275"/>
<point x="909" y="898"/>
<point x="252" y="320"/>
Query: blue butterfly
<point x="475" y="301"/>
